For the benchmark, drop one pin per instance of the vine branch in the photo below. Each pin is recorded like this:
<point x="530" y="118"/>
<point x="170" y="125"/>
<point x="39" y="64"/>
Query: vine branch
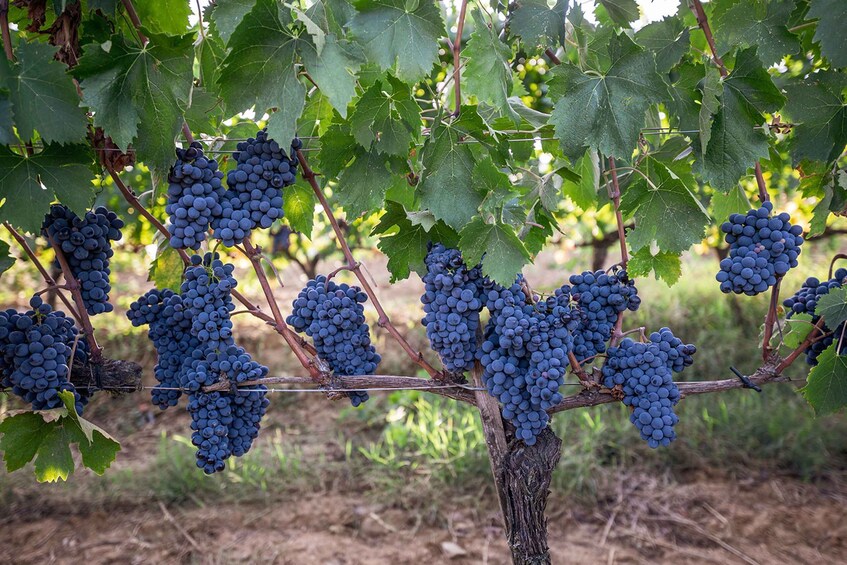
<point x="4" y="30"/>
<point x="133" y="17"/>
<point x="356" y="268"/>
<point x="457" y="50"/>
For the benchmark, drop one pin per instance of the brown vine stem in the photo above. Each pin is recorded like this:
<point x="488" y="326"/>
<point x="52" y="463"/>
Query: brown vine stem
<point x="770" y="320"/>
<point x="615" y="195"/>
<point x="254" y="254"/>
<point x="552" y="56"/>
<point x="4" y="29"/>
<point x="133" y="17"/>
<point x="73" y="286"/>
<point x="356" y="268"/>
<point x="800" y="349"/>
<point x="51" y="282"/>
<point x="760" y="183"/>
<point x="457" y="51"/>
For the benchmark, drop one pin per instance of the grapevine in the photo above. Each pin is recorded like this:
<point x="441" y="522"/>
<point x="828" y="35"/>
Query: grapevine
<point x="194" y="197"/>
<point x="805" y="301"/>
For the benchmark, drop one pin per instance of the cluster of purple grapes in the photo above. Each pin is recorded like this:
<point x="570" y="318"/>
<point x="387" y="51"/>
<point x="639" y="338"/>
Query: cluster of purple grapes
<point x="35" y="355"/>
<point x="86" y="243"/>
<point x="254" y="188"/>
<point x="194" y="197"/>
<point x="762" y="248"/>
<point x="333" y="316"/>
<point x="525" y="355"/>
<point x="805" y="301"/>
<point x="601" y="298"/>
<point x="453" y="297"/>
<point x="644" y="372"/>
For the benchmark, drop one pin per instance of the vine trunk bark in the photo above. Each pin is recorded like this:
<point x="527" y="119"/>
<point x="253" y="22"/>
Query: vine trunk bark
<point x="522" y="476"/>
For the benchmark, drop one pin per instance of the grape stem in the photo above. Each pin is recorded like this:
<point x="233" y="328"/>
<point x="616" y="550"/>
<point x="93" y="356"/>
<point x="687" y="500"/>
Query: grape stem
<point x="615" y="195"/>
<point x="73" y="286"/>
<point x="51" y="282"/>
<point x="133" y="17"/>
<point x="770" y="320"/>
<point x="4" y="29"/>
<point x="356" y="268"/>
<point x="457" y="51"/>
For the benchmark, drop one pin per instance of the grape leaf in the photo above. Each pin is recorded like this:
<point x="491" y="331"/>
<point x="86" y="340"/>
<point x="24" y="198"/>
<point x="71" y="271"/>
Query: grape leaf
<point x="820" y="214"/>
<point x="487" y="73"/>
<point x="139" y="93"/>
<point x="664" y="264"/>
<point x="334" y="69"/>
<point x="709" y="105"/>
<point x="446" y="185"/>
<point x="166" y="269"/>
<point x="165" y="16"/>
<point x="762" y="25"/>
<point x="664" y="209"/>
<point x="299" y="208"/>
<point x="668" y="39"/>
<point x="22" y="435"/>
<point x="606" y="110"/>
<point x="98" y="449"/>
<point x="799" y="327"/>
<point x="405" y="243"/>
<point x="338" y="147"/>
<point x="363" y="184"/>
<point x="826" y="387"/>
<point x="621" y="11"/>
<point x="6" y="260"/>
<point x="53" y="460"/>
<point x="228" y="14"/>
<point x="316" y="117"/>
<point x="495" y="187"/>
<point x="505" y="254"/>
<point x="733" y="202"/>
<point x="735" y="143"/>
<point x="538" y="24"/>
<point x="830" y="34"/>
<point x="210" y="53"/>
<point x="108" y="7"/>
<point x="684" y="102"/>
<point x="819" y="107"/>
<point x="583" y="192"/>
<point x="7" y="133"/>
<point x="399" y="34"/>
<point x="388" y="117"/>
<point x="30" y="184"/>
<point x="42" y="96"/>
<point x="833" y="307"/>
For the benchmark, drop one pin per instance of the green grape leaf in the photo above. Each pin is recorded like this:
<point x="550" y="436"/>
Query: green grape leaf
<point x="733" y="202"/>
<point x="388" y="117"/>
<point x="42" y="96"/>
<point x="315" y="30"/>
<point x="668" y="39"/>
<point x="684" y="103"/>
<point x="338" y="147"/>
<point x="227" y="15"/>
<point x="165" y="16"/>
<point x="606" y="110"/>
<point x="166" y="269"/>
<point x="799" y="327"/>
<point x="583" y="192"/>
<point x="53" y="460"/>
<point x="6" y="260"/>
<point x="487" y="74"/>
<point x="29" y="184"/>
<point x="363" y="184"/>
<point x="98" y="449"/>
<point x="108" y="7"/>
<point x="736" y="142"/>
<point x="826" y="387"/>
<point x="833" y="307"/>
<point x="205" y="112"/>
<point x="139" y="94"/>
<point x="400" y="35"/>
<point x="316" y="117"/>
<point x="495" y="187"/>
<point x="299" y="208"/>
<point x="709" y="105"/>
<point x="446" y="185"/>
<point x="665" y="265"/>
<point x="405" y="243"/>
<point x="210" y="53"/>
<point x="820" y="214"/>
<point x="538" y="24"/>
<point x="423" y="218"/>
<point x="763" y="25"/>
<point x="621" y="11"/>
<point x="818" y="106"/>
<point x="22" y="434"/>
<point x="253" y="65"/>
<point x="334" y="69"/>
<point x="7" y="132"/>
<point x="504" y="254"/>
<point x="664" y="209"/>
<point x="830" y="34"/>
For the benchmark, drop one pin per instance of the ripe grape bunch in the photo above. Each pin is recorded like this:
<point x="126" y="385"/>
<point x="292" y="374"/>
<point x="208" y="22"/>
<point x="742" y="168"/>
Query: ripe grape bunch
<point x="333" y="316"/>
<point x="524" y="355"/>
<point x="644" y="372"/>
<point x="35" y="355"/>
<point x="254" y="188"/>
<point x="86" y="243"/>
<point x="805" y="301"/>
<point x="762" y="248"/>
<point x="452" y="301"/>
<point x="601" y="298"/>
<point x="194" y="197"/>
